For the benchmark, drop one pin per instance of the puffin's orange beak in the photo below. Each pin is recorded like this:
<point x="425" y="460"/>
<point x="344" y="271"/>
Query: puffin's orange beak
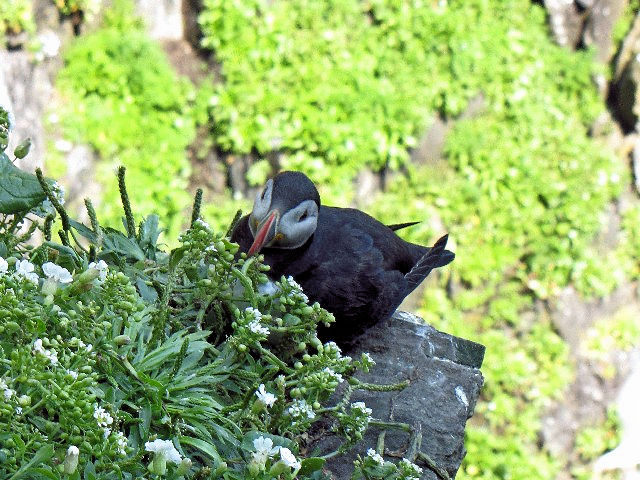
<point x="264" y="234"/>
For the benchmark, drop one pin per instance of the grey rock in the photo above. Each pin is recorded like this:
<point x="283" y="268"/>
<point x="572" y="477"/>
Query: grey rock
<point x="579" y="23"/>
<point x="26" y="90"/>
<point x="565" y="21"/>
<point x="163" y="18"/>
<point x="444" y="385"/>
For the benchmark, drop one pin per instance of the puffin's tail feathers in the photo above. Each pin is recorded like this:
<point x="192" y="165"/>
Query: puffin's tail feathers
<point x="436" y="257"/>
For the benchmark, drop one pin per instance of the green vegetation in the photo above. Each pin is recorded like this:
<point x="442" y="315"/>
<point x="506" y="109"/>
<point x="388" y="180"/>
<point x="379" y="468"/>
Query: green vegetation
<point x="338" y="86"/>
<point x="15" y="17"/>
<point x="120" y="360"/>
<point x="122" y="97"/>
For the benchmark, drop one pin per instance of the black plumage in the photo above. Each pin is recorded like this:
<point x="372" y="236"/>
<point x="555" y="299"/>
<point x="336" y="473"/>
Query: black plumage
<point x="353" y="265"/>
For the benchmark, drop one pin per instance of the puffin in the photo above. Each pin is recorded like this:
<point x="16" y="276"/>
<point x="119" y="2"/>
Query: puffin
<point x="354" y="266"/>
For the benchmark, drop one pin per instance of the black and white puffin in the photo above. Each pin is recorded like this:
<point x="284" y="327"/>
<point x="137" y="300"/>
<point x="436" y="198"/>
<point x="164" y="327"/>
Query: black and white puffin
<point x="353" y="265"/>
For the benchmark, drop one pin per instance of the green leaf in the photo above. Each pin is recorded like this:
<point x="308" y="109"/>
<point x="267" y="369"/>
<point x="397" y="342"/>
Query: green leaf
<point x="118" y="243"/>
<point x="83" y="230"/>
<point x="149" y="232"/>
<point x="310" y="465"/>
<point x="41" y="456"/>
<point x="203" y="446"/>
<point x="19" y="191"/>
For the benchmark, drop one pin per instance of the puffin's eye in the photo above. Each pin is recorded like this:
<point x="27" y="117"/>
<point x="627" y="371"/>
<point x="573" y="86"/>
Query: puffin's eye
<point x="303" y="216"/>
<point x="263" y="193"/>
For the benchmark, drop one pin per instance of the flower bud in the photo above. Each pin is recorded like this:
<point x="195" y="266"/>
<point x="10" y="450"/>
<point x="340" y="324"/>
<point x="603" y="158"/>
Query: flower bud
<point x="22" y="150"/>
<point x="121" y="340"/>
<point x="71" y="460"/>
<point x="184" y="467"/>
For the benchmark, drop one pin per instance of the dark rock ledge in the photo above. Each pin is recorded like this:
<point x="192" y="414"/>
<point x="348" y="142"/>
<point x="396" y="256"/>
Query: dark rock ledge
<point x="444" y="385"/>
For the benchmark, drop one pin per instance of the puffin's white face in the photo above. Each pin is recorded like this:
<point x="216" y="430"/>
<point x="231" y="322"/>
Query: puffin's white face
<point x="272" y="228"/>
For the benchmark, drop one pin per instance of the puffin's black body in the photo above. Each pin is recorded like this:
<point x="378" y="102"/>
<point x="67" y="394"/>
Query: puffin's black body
<point x="353" y="265"/>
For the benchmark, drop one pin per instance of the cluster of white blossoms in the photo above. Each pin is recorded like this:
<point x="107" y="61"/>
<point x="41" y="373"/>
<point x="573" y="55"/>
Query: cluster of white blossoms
<point x="255" y="318"/>
<point x="103" y="417"/>
<point x="330" y="375"/>
<point x="375" y="456"/>
<point x="296" y="292"/>
<point x="164" y="452"/>
<point x="105" y="420"/>
<point x="76" y="342"/>
<point x="102" y="269"/>
<point x="300" y="409"/>
<point x="50" y="354"/>
<point x="265" y="397"/>
<point x="24" y="268"/>
<point x="203" y="224"/>
<point x="56" y="272"/>
<point x="265" y="450"/>
<point x="6" y="391"/>
<point x="410" y="469"/>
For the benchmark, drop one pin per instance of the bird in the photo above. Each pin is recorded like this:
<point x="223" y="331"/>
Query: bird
<point x="354" y="266"/>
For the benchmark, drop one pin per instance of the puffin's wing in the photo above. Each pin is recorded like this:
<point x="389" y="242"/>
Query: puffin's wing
<point x="436" y="257"/>
<point x="352" y="283"/>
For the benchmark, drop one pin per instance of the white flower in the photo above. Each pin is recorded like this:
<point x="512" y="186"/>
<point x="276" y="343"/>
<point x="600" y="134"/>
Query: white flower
<point x="264" y="447"/>
<point x="73" y="374"/>
<point x="73" y="450"/>
<point x="8" y="393"/>
<point x="255" y="327"/>
<point x="37" y="346"/>
<point x="375" y="456"/>
<point x="293" y="283"/>
<point x="50" y="43"/>
<point x="50" y="354"/>
<point x="107" y="432"/>
<point x="4" y="266"/>
<point x="265" y="397"/>
<point x="58" y="191"/>
<point x="57" y="273"/>
<point x="411" y="466"/>
<point x="3" y="384"/>
<point x="102" y="267"/>
<point x="102" y="416"/>
<point x="253" y="312"/>
<point x="24" y="268"/>
<point x="166" y="448"/>
<point x="289" y="458"/>
<point x="18" y="410"/>
<point x="211" y="249"/>
<point x="202" y="223"/>
<point x="297" y="292"/>
<point x="361" y="407"/>
<point x="301" y="409"/>
<point x="88" y="347"/>
<point x="268" y="288"/>
<point x="333" y="375"/>
<point x="121" y="443"/>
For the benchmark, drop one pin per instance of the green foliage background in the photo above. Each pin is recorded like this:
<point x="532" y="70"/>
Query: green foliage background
<point x="342" y="85"/>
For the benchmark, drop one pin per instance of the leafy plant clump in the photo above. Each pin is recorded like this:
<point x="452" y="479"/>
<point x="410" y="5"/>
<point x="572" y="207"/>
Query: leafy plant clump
<point x="120" y="360"/>
<point x="15" y="17"/>
<point x="123" y="98"/>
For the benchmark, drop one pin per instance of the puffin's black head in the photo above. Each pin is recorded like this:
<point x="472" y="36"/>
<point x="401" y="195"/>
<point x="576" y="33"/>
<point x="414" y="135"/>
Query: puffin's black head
<point x="285" y="212"/>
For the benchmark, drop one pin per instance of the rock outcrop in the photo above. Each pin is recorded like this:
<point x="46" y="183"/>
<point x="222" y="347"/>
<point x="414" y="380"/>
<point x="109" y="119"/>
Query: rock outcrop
<point x="444" y="385"/>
